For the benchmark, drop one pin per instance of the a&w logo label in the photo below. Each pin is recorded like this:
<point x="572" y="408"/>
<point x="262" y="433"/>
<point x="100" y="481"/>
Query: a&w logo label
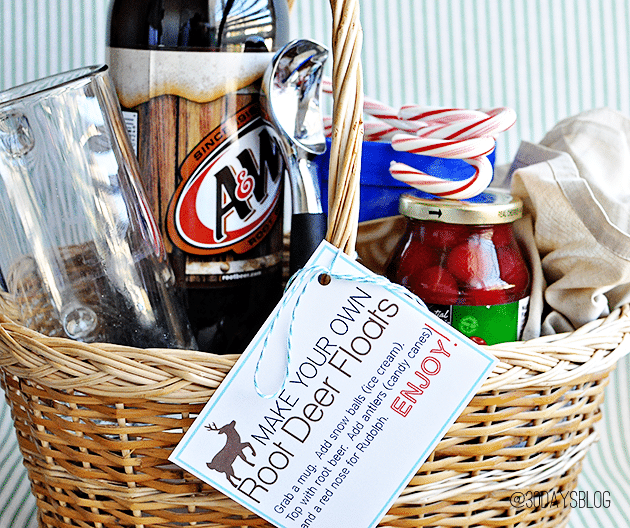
<point x="229" y="196"/>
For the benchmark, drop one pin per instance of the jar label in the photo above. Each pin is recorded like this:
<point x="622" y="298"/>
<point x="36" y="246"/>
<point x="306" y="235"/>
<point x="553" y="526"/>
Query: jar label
<point x="487" y="325"/>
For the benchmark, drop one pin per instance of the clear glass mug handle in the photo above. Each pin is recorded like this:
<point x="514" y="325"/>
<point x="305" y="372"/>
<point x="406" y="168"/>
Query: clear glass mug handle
<point x="17" y="140"/>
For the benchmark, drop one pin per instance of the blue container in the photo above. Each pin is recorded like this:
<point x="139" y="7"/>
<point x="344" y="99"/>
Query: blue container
<point x="379" y="189"/>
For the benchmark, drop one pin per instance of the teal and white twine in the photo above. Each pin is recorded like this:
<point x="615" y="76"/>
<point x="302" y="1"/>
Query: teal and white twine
<point x="299" y="282"/>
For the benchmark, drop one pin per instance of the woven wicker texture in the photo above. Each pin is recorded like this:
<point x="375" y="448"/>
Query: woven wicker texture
<point x="347" y="132"/>
<point x="32" y="303"/>
<point x="96" y="423"/>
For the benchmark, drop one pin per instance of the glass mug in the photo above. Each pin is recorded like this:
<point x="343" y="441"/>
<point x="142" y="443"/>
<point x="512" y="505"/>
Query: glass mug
<point x="80" y="252"/>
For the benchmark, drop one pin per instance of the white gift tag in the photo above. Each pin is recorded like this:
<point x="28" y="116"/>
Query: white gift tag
<point x="329" y="432"/>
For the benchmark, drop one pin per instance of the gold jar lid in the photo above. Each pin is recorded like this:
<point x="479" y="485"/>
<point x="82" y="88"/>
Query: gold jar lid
<point x="493" y="206"/>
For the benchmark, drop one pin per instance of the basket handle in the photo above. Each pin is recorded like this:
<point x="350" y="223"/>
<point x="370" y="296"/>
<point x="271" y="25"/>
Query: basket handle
<point x="347" y="132"/>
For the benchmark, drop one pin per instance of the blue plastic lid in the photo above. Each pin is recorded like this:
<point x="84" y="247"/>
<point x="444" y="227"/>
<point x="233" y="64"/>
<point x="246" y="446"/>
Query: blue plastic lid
<point x="380" y="191"/>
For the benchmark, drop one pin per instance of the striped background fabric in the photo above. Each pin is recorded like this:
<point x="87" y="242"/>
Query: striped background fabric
<point x="547" y="59"/>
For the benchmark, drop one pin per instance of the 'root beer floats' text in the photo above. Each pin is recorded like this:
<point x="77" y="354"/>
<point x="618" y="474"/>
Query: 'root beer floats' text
<point x="354" y="333"/>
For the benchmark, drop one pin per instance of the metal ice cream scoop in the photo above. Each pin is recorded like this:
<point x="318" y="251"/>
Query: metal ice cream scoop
<point x="290" y="102"/>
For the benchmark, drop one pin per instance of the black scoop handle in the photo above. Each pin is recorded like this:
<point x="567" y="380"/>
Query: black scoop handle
<point x="307" y="232"/>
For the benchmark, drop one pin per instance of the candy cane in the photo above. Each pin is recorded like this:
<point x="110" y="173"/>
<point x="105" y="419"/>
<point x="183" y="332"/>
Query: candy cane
<point x="457" y="190"/>
<point x="381" y="132"/>
<point x="385" y="113"/>
<point x="491" y="124"/>
<point x="442" y="148"/>
<point x="374" y="131"/>
<point x="328" y="126"/>
<point x="389" y="115"/>
<point x="327" y="86"/>
<point x="451" y="134"/>
<point x="432" y="121"/>
<point x="437" y="115"/>
<point x="440" y="132"/>
<point x="472" y="151"/>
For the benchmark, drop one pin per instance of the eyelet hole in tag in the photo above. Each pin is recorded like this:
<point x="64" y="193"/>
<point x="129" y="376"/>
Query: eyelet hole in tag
<point x="324" y="279"/>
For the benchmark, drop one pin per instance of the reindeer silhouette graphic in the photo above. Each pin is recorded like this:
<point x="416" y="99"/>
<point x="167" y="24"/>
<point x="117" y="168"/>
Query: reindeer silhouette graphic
<point x="223" y="461"/>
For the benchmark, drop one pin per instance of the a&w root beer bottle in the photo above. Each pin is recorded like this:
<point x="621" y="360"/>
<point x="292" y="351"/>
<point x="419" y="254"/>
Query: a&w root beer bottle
<point x="187" y="73"/>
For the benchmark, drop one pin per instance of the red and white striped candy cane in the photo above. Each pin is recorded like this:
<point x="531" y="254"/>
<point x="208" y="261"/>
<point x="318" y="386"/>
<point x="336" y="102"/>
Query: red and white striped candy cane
<point x="456" y="190"/>
<point x="387" y="114"/>
<point x="473" y="151"/>
<point x="374" y="131"/>
<point x="488" y="124"/>
<point x="381" y="132"/>
<point x="440" y="132"/>
<point x="451" y="133"/>
<point x="328" y="126"/>
<point x="430" y="114"/>
<point x="443" y="148"/>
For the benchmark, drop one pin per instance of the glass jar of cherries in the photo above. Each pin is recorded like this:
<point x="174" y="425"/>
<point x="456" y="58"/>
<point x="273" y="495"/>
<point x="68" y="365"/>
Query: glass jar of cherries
<point x="462" y="260"/>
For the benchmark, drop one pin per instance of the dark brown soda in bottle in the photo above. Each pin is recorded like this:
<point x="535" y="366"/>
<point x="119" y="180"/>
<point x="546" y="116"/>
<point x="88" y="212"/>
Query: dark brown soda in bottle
<point x="187" y="74"/>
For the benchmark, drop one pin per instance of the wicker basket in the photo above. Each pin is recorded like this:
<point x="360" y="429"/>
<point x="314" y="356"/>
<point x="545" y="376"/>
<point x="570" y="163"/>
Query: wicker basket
<point x="96" y="423"/>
